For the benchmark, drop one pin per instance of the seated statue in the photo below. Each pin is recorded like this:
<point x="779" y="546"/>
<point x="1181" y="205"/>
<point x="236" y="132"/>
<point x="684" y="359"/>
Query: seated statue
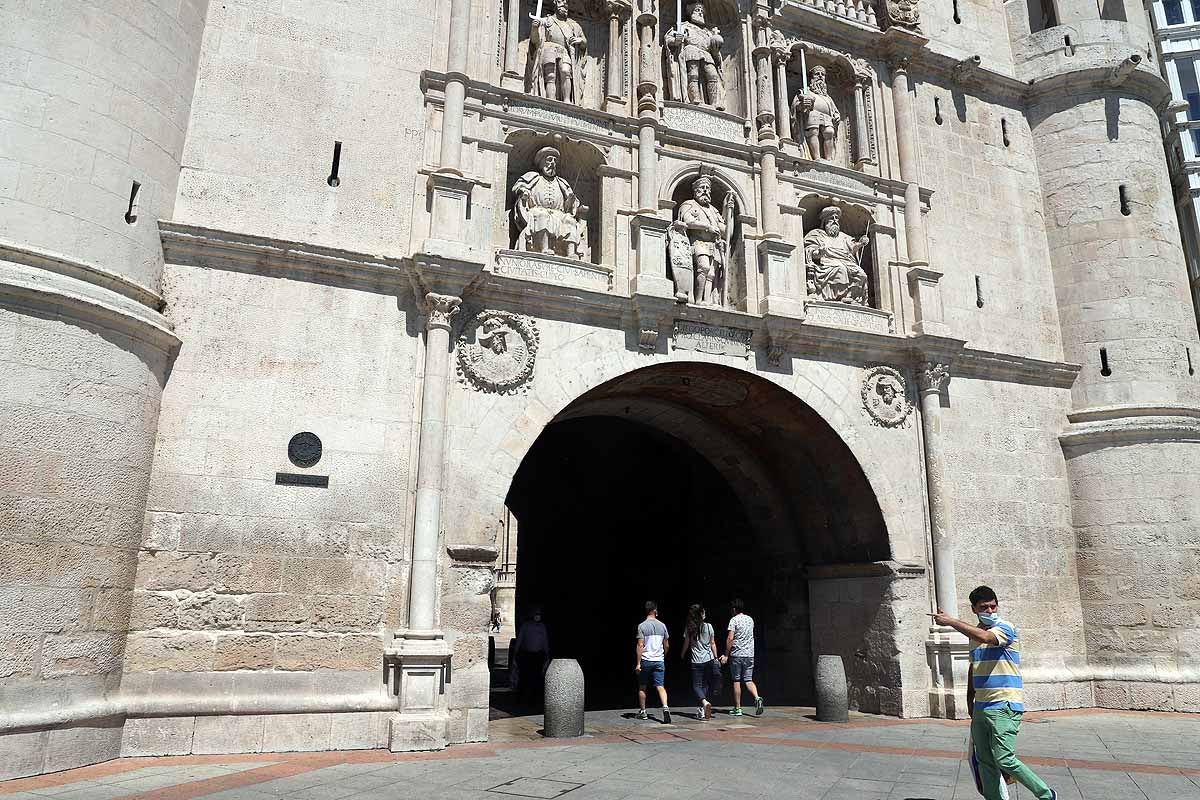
<point x="548" y="215"/>
<point x="834" y="272"/>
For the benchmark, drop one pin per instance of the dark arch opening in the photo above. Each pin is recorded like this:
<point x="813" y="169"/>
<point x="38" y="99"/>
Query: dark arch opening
<point x="687" y="483"/>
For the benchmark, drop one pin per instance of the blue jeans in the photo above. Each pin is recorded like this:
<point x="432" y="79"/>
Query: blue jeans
<point x="706" y="677"/>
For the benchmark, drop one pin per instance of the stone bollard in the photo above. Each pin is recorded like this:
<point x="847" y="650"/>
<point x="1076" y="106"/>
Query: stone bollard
<point x="833" y="702"/>
<point x="564" y="699"/>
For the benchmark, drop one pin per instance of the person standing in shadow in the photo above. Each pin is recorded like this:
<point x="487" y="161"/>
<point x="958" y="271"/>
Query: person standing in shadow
<point x="531" y="654"/>
<point x="700" y="646"/>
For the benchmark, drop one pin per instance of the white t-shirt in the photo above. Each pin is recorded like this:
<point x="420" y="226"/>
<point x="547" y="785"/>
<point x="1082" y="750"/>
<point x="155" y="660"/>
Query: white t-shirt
<point x="652" y="634"/>
<point x="742" y="626"/>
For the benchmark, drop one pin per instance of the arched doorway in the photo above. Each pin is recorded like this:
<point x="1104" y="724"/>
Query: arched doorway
<point x="682" y="483"/>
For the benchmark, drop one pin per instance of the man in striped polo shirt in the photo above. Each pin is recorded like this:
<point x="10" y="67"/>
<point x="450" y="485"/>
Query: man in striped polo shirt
<point x="994" y="696"/>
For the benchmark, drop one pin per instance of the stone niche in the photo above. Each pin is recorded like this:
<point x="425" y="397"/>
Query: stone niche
<point x="856" y="221"/>
<point x="579" y="164"/>
<point x="733" y="291"/>
<point x="850" y="83"/>
<point x="593" y="17"/>
<point x="679" y="113"/>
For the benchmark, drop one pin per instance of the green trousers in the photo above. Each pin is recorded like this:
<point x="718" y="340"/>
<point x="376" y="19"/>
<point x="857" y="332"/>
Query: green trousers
<point x="994" y="734"/>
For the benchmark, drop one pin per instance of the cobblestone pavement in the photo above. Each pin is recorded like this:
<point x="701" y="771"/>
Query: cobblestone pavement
<point x="1084" y="755"/>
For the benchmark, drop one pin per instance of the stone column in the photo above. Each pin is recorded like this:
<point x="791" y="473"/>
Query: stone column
<point x="456" y="84"/>
<point x="783" y="113"/>
<point x="512" y="41"/>
<point x="932" y="377"/>
<point x="862" y="140"/>
<point x="616" y="60"/>
<point x="947" y="650"/>
<point x="769" y="190"/>
<point x="906" y="146"/>
<point x="647" y="91"/>
<point x="450" y="191"/>
<point x="422" y="592"/>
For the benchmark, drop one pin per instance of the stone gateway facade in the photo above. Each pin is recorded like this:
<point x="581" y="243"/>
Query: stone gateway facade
<point x="844" y="307"/>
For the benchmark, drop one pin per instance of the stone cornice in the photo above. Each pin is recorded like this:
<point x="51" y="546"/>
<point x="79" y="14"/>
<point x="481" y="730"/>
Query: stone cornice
<point x="70" y="290"/>
<point x="199" y="246"/>
<point x="79" y="270"/>
<point x="208" y="247"/>
<point x="1122" y="425"/>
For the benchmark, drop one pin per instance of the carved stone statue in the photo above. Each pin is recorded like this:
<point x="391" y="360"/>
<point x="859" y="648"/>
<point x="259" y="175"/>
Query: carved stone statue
<point x="834" y="271"/>
<point x="696" y="74"/>
<point x="548" y="215"/>
<point x="903" y="14"/>
<point x="818" y="117"/>
<point x="556" y="49"/>
<point x="699" y="243"/>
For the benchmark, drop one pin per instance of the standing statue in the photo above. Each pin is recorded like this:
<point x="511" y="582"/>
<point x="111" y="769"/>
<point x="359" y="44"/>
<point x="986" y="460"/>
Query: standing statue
<point x="697" y="75"/>
<point x="547" y="213"/>
<point x="834" y="272"/>
<point x="699" y="243"/>
<point x="818" y="117"/>
<point x="556" y="50"/>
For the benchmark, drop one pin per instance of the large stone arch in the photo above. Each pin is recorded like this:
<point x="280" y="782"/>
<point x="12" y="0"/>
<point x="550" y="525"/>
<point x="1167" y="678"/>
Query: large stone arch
<point x="505" y="431"/>
<point x="859" y="607"/>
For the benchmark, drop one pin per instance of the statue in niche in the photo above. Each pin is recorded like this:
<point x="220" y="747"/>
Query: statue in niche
<point x="696" y="75"/>
<point x="549" y="217"/>
<point x="557" y="46"/>
<point x="699" y="242"/>
<point x="834" y="268"/>
<point x="818" y="116"/>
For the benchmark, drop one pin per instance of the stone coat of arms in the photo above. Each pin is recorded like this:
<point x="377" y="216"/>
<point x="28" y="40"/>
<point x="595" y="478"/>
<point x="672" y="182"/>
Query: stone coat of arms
<point x="885" y="396"/>
<point x="496" y="351"/>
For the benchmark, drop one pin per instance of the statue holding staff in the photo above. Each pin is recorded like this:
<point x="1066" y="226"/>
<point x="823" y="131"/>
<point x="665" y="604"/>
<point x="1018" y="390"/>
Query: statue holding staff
<point x="834" y="271"/>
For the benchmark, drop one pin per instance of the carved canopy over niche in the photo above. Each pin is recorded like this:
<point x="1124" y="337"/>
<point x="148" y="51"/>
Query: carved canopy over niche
<point x="851" y="85"/>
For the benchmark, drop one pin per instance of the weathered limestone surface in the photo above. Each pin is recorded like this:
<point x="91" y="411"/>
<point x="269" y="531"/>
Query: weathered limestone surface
<point x="162" y="592"/>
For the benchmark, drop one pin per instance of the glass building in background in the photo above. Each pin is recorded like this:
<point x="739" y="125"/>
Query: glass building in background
<point x="1177" y="23"/>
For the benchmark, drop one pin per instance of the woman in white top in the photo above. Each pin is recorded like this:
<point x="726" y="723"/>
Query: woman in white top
<point x="700" y="645"/>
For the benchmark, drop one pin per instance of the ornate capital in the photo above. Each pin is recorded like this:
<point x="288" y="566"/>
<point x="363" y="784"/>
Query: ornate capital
<point x="440" y="308"/>
<point x="932" y="376"/>
<point x="619" y="8"/>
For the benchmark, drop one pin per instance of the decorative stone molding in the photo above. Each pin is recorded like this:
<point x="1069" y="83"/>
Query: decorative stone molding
<point x="648" y="339"/>
<point x="440" y="308"/>
<point x="932" y="377"/>
<point x="886" y="397"/>
<point x="473" y="553"/>
<point x="496" y="351"/>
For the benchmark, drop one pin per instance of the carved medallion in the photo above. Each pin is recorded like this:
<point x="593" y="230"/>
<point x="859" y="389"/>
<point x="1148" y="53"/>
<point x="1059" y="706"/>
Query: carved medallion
<point x="904" y="14"/>
<point x="496" y="351"/>
<point x="304" y="449"/>
<point x="885" y="396"/>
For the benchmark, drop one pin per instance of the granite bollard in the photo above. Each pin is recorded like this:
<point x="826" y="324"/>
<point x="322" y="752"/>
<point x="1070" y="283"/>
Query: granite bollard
<point x="564" y="699"/>
<point x="832" y="697"/>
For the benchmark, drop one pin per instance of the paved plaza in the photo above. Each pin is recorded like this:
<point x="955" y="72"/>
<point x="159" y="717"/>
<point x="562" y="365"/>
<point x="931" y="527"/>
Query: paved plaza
<point x="1084" y="755"/>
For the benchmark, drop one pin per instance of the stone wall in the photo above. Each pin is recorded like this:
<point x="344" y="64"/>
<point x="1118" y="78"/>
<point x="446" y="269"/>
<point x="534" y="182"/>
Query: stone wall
<point x="94" y="98"/>
<point x="278" y="85"/>
<point x="1136" y="518"/>
<point x="239" y="574"/>
<point x="985" y="222"/>
<point x="1011" y="513"/>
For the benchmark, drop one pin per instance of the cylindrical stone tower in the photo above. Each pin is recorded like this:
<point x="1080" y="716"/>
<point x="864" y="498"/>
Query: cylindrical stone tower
<point x="1133" y="439"/>
<point x="96" y="100"/>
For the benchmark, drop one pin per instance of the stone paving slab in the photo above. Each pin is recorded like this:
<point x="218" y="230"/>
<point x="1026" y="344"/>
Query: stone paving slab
<point x="785" y="754"/>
